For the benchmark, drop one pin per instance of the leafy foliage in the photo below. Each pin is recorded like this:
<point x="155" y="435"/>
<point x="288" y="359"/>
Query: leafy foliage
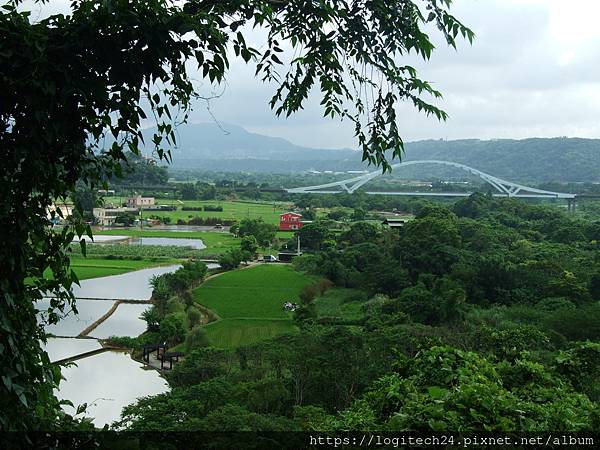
<point x="70" y="81"/>
<point x="445" y="389"/>
<point x="263" y="233"/>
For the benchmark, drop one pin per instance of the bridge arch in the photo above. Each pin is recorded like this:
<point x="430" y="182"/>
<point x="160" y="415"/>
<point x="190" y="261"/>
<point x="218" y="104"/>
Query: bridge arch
<point x="504" y="187"/>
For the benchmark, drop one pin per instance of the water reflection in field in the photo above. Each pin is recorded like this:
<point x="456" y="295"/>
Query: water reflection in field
<point x="107" y="382"/>
<point x="72" y="324"/>
<point x="179" y="242"/>
<point x="61" y="348"/>
<point x="127" y="286"/>
<point x="125" y="321"/>
<point x="101" y="238"/>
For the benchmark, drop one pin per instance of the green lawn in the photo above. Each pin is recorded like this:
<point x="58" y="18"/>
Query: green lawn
<point x="231" y="333"/>
<point x="250" y="303"/>
<point x="216" y="242"/>
<point x="340" y="302"/>
<point x="232" y="210"/>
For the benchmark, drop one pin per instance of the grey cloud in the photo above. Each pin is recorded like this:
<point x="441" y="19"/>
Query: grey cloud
<point x="514" y="81"/>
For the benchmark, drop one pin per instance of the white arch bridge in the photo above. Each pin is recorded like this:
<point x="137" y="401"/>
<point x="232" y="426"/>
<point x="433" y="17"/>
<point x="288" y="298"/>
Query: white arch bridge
<point x="505" y="188"/>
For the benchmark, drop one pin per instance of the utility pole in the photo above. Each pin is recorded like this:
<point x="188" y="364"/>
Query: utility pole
<point x="298" y="251"/>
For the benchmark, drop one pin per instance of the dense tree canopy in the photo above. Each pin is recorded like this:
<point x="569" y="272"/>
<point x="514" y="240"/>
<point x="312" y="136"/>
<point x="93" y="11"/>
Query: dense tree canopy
<point x="501" y="337"/>
<point x="70" y="81"/>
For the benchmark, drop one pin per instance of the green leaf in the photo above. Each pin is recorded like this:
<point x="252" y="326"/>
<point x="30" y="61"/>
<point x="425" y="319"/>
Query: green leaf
<point x="436" y="392"/>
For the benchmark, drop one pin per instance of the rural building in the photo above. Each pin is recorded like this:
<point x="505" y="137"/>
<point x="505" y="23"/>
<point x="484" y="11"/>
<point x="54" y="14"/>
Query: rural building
<point x="394" y="223"/>
<point x="107" y="216"/>
<point x="139" y="202"/>
<point x="290" y="221"/>
<point x="287" y="256"/>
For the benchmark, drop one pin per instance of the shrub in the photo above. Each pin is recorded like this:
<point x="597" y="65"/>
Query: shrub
<point x="175" y="305"/>
<point x="232" y="259"/>
<point x="172" y="328"/>
<point x="581" y="365"/>
<point x="376" y="305"/>
<point x="122" y="341"/>
<point x="576" y="324"/>
<point x="152" y="318"/>
<point x="249" y="244"/>
<point x="305" y="312"/>
<point x="510" y="343"/>
<point x="188" y="299"/>
<point x="136" y="343"/>
<point x="200" y="365"/>
<point x="196" y="339"/>
<point x="194" y="317"/>
<point x="308" y="293"/>
<point x="306" y="263"/>
<point x="420" y="304"/>
<point x="552" y="304"/>
<point x="324" y="285"/>
<point x="208" y="221"/>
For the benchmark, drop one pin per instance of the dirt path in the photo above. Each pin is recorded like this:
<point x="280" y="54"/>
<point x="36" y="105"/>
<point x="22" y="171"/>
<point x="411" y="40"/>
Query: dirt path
<point x="102" y="318"/>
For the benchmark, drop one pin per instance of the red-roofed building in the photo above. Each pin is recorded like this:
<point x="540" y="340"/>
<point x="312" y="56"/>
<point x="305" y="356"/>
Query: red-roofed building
<point x="290" y="221"/>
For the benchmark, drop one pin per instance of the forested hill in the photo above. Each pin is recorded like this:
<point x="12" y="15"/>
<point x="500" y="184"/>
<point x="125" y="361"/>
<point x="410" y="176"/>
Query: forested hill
<point x="535" y="160"/>
<point x="232" y="148"/>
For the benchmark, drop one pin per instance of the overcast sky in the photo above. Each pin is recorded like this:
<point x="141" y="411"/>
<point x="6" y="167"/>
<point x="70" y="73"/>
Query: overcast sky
<point x="533" y="71"/>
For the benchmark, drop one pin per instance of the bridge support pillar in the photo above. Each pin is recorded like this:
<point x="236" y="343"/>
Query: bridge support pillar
<point x="572" y="203"/>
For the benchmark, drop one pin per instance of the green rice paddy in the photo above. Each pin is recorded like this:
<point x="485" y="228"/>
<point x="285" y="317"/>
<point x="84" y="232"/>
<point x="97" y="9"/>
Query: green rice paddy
<point x="86" y="268"/>
<point x="250" y="303"/>
<point x="231" y="333"/>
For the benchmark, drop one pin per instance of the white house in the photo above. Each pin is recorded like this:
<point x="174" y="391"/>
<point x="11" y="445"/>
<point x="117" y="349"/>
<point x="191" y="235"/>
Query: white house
<point x="139" y="202"/>
<point x="107" y="216"/>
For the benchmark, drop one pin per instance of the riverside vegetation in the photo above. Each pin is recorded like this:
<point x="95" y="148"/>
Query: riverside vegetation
<point x="456" y="322"/>
<point x="481" y="315"/>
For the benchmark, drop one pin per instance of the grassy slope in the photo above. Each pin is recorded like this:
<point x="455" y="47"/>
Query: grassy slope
<point x="340" y="302"/>
<point x="249" y="302"/>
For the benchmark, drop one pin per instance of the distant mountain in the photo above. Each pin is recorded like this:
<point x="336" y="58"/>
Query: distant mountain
<point x="231" y="147"/>
<point x="208" y="147"/>
<point x="526" y="160"/>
